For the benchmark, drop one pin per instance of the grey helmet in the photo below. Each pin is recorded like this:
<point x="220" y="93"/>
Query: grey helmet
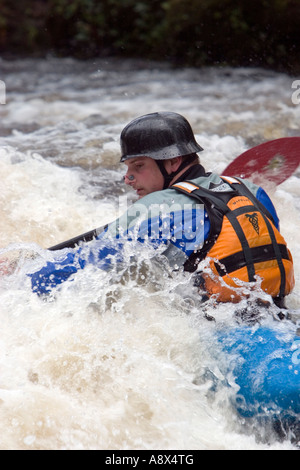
<point x="160" y="136"/>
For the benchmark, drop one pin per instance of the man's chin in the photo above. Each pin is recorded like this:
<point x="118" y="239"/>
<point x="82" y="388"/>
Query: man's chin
<point x="141" y="193"/>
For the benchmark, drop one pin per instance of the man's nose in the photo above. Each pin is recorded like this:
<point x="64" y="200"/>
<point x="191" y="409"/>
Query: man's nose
<point x="128" y="178"/>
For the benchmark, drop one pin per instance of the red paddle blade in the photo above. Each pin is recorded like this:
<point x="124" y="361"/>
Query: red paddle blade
<point x="273" y="161"/>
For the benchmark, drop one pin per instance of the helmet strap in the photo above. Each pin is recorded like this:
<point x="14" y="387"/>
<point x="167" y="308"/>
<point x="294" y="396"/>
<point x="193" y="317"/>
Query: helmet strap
<point x="168" y="177"/>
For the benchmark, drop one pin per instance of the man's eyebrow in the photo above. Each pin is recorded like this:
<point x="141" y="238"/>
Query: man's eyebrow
<point x="137" y="159"/>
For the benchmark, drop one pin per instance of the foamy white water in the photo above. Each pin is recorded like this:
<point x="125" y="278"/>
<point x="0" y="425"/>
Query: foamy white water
<point x="113" y="362"/>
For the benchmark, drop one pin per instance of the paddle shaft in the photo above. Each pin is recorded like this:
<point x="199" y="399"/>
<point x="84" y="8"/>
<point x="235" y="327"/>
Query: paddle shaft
<point x="85" y="237"/>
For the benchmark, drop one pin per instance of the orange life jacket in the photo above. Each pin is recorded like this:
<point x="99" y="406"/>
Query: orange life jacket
<point x="243" y="244"/>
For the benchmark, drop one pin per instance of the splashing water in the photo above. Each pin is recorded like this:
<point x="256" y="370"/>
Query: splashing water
<point x="118" y="360"/>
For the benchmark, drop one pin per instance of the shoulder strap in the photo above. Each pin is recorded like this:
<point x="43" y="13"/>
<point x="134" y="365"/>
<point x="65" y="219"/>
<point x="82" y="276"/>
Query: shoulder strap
<point x="215" y="208"/>
<point x="245" y="191"/>
<point x="206" y="196"/>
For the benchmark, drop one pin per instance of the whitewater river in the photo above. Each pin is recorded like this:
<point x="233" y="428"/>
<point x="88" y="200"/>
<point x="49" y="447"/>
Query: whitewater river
<point x="110" y="363"/>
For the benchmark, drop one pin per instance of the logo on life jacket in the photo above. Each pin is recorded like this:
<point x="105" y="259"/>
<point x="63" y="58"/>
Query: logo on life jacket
<point x="253" y="219"/>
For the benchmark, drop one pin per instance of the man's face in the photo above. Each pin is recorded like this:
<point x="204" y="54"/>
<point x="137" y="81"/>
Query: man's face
<point x="143" y="175"/>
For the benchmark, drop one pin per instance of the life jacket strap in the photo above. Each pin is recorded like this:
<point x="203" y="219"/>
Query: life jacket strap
<point x="259" y="254"/>
<point x="246" y="250"/>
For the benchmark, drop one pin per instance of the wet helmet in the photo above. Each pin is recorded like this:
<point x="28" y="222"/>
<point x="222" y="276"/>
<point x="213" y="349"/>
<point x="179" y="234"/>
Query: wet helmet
<point x="160" y="136"/>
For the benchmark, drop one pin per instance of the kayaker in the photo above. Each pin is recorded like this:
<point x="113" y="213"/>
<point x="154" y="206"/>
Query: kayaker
<point x="226" y="230"/>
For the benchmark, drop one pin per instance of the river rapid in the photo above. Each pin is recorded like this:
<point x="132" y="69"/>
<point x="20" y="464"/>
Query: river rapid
<point x="110" y="362"/>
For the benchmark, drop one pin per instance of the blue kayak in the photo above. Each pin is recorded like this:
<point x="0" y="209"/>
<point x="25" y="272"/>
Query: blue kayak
<point x="265" y="364"/>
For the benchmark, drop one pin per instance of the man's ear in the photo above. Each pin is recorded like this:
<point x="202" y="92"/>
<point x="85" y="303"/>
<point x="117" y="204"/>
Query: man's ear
<point x="173" y="164"/>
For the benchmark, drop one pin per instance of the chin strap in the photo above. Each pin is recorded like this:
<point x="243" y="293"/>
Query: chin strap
<point x="168" y="177"/>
